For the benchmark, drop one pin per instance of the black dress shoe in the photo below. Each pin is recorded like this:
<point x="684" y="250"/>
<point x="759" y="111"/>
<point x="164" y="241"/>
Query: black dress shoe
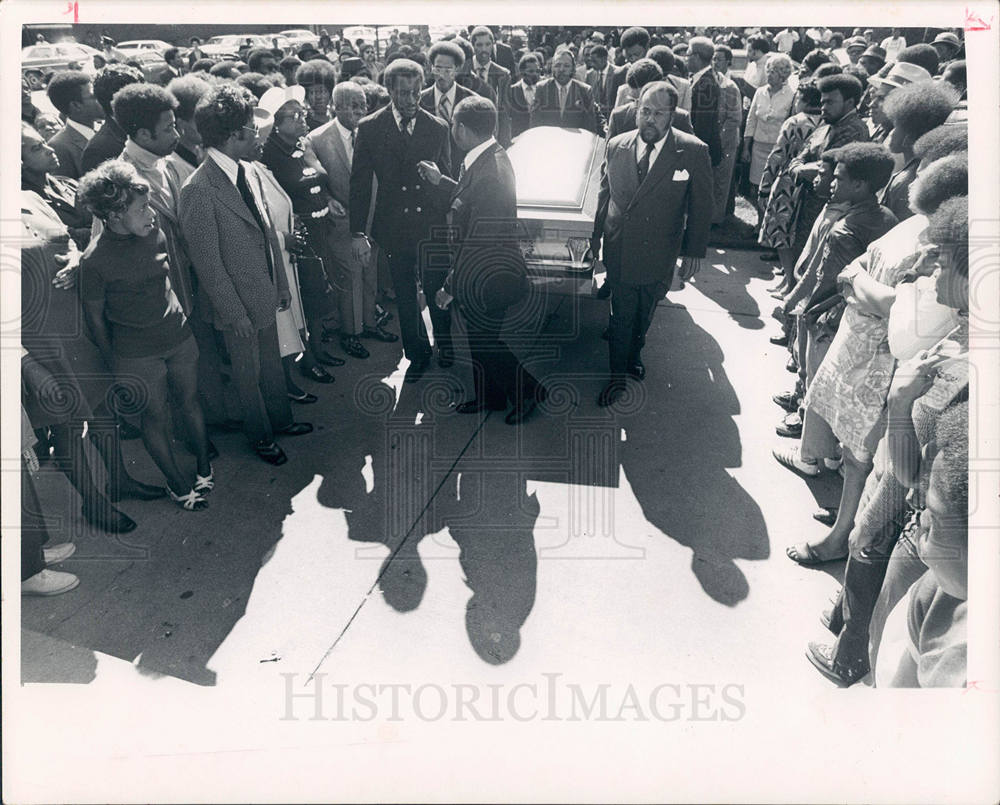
<point x="521" y="412"/>
<point x="416" y="370"/>
<point x="327" y="359"/>
<point x="271" y="453"/>
<point x="305" y="398"/>
<point x="296" y="429"/>
<point x="611" y="392"/>
<point x="107" y="518"/>
<point x="382" y="316"/>
<point x="316" y="374"/>
<point x="604" y="292"/>
<point x="378" y="333"/>
<point x="136" y="490"/>
<point x="637" y="370"/>
<point x="779" y="340"/>
<point x="475" y="406"/>
<point x="353" y="347"/>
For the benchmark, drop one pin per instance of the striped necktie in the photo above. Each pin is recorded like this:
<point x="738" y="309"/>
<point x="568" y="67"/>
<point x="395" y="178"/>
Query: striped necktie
<point x="444" y="109"/>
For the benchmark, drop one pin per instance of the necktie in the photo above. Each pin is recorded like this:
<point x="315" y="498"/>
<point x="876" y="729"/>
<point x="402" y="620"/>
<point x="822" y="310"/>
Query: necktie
<point x="444" y="109"/>
<point x="251" y="202"/>
<point x="404" y="129"/>
<point x="562" y="99"/>
<point x="644" y="162"/>
<point x="482" y="73"/>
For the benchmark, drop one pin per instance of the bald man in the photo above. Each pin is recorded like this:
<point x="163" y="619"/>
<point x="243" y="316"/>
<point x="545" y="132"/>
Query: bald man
<point x="356" y="281"/>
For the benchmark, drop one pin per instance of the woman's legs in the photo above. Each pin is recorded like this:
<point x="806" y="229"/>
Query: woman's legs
<point x="182" y="376"/>
<point x="156" y="433"/>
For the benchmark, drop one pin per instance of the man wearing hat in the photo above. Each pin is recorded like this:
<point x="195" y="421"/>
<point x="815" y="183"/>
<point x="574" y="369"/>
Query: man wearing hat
<point x="948" y="47"/>
<point x="902" y="74"/>
<point x="855" y="46"/>
<point x="873" y="59"/>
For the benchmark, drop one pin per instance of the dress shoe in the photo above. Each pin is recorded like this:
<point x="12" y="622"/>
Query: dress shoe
<point x="378" y="333"/>
<point x="316" y="374"/>
<point x="604" y="292"/>
<point x="382" y="316"/>
<point x="353" y="347"/>
<point x="305" y="398"/>
<point x="446" y="358"/>
<point x="327" y="359"/>
<point x="791" y="366"/>
<point x="107" y="518"/>
<point x="637" y="370"/>
<point x="55" y="554"/>
<point x="416" y="370"/>
<point x="136" y="490"/>
<point x="521" y="412"/>
<point x="49" y="582"/>
<point x="789" y="400"/>
<point x="779" y="340"/>
<point x="271" y="453"/>
<point x="296" y="429"/>
<point x="611" y="392"/>
<point x="475" y="406"/>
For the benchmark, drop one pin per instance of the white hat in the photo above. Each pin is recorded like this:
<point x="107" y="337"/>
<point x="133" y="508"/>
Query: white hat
<point x="901" y="74"/>
<point x="276" y="97"/>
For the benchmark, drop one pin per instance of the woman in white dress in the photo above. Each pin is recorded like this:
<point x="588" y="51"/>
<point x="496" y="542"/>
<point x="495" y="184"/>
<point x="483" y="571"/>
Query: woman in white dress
<point x="771" y="105"/>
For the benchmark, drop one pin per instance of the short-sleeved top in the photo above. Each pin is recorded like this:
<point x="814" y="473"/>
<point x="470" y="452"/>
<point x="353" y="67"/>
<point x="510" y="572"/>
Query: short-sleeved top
<point x="936" y="623"/>
<point x="130" y="275"/>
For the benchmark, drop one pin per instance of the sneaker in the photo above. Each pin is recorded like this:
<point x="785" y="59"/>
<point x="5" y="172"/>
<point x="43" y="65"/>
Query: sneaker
<point x="49" y="582"/>
<point x="789" y="457"/>
<point x="55" y="554"/>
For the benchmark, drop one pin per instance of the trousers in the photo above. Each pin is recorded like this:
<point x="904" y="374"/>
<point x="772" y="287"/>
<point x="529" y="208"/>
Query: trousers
<point x="259" y="379"/>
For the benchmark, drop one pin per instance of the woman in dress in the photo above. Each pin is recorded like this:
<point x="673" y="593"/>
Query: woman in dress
<point x="771" y="106"/>
<point x="778" y="191"/>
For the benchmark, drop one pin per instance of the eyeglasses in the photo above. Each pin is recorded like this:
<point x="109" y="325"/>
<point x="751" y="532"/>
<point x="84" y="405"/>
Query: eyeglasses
<point x="254" y="129"/>
<point x="443" y="70"/>
<point x="299" y="115"/>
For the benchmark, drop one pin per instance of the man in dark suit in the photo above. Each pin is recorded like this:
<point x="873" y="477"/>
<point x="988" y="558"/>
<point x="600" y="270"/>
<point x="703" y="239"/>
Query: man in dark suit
<point x="655" y="204"/>
<point x="389" y="145"/>
<point x="705" y="96"/>
<point x="623" y="118"/>
<point x="446" y="59"/>
<point x="488" y="272"/>
<point x="600" y="79"/>
<point x="467" y="77"/>
<point x="109" y="141"/>
<point x="496" y="76"/>
<point x="522" y="94"/>
<point x="72" y="93"/>
<point x="503" y="54"/>
<point x="236" y="255"/>
<point x="564" y="101"/>
<point x="634" y="44"/>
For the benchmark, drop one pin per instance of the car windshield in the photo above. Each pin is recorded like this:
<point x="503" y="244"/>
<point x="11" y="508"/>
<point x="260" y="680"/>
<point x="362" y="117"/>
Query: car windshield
<point x="40" y="53"/>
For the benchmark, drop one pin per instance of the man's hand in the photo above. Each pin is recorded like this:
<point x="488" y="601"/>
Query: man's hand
<point x="65" y="277"/>
<point x="361" y="249"/>
<point x="336" y="208"/>
<point x="442" y="298"/>
<point x="689" y="267"/>
<point x="243" y="328"/>
<point x="429" y="172"/>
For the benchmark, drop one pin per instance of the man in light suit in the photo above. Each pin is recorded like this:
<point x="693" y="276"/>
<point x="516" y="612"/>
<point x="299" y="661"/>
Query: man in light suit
<point x="72" y="93"/>
<point x="655" y="204"/>
<point x="600" y="79"/>
<point x="389" y="145"/>
<point x="705" y="96"/>
<point x="563" y="101"/>
<point x="496" y="76"/>
<point x="236" y="254"/>
<point x="730" y="121"/>
<point x="446" y="59"/>
<point x="488" y="272"/>
<point x="333" y="145"/>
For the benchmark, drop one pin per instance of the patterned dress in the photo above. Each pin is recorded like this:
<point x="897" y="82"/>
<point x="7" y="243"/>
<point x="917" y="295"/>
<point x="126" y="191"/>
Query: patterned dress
<point x="850" y="388"/>
<point x="778" y="228"/>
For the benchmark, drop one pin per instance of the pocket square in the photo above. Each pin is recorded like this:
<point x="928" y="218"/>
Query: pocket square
<point x="681" y="176"/>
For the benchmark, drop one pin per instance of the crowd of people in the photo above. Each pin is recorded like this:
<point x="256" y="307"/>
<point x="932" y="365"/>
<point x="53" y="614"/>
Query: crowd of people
<point x="190" y="261"/>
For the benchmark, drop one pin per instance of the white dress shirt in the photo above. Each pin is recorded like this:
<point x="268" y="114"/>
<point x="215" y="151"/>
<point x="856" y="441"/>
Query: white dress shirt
<point x="473" y="155"/>
<point x="754" y="74"/>
<point x="86" y="131"/>
<point x="228" y="165"/>
<point x="640" y="149"/>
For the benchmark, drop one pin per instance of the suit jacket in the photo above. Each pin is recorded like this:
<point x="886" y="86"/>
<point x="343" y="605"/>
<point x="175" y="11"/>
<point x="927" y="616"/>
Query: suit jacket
<point x="520" y="110"/>
<point x="504" y="56"/>
<point x="623" y="119"/>
<point x="407" y="209"/>
<point x="227" y="247"/>
<point x="730" y="114"/>
<point x="60" y="194"/>
<point x="580" y="113"/>
<point x="618" y="79"/>
<point x="106" y="144"/>
<point x="328" y="146"/>
<point x="427" y="102"/>
<point x="605" y="99"/>
<point x="646" y="227"/>
<point x="68" y="144"/>
<point x="705" y="98"/>
<point x="488" y="270"/>
<point x="498" y="79"/>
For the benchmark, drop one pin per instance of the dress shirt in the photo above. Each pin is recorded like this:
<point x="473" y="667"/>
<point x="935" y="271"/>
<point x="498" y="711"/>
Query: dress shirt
<point x="754" y="74"/>
<point x="347" y="137"/>
<point x="399" y="121"/>
<point x="151" y="167"/>
<point x="228" y="165"/>
<point x="529" y="93"/>
<point x="86" y="131"/>
<point x="473" y="155"/>
<point x="640" y="149"/>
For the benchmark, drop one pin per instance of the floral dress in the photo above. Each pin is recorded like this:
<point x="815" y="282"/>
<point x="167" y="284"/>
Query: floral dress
<point x="778" y="228"/>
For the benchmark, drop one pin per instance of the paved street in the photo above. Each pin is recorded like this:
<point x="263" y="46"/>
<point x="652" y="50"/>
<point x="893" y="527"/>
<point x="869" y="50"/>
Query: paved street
<point x="404" y="541"/>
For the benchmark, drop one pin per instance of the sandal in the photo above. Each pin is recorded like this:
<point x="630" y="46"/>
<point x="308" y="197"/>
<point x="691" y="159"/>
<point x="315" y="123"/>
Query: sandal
<point x="204" y="483"/>
<point x="192" y="501"/>
<point x="804" y="554"/>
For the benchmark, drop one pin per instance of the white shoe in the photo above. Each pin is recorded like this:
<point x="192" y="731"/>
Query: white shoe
<point x="54" y="554"/>
<point x="49" y="582"/>
<point x="789" y="457"/>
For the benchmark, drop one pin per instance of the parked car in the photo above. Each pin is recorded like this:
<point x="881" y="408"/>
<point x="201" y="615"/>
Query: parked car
<point x="297" y="37"/>
<point x="39" y="62"/>
<point x="230" y="44"/>
<point x="558" y="179"/>
<point x="132" y="46"/>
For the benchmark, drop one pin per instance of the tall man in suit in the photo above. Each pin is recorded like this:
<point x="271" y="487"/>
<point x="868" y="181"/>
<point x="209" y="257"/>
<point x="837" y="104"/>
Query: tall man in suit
<point x="705" y="96"/>
<point x="633" y="44"/>
<point x="496" y="76"/>
<point x="446" y="59"/>
<point x="564" y="101"/>
<point x="655" y="204"/>
<point x="600" y="79"/>
<point x="488" y="272"/>
<point x="72" y="93"/>
<point x="522" y="93"/>
<point x="333" y="144"/>
<point x="389" y="145"/>
<point x="236" y="255"/>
